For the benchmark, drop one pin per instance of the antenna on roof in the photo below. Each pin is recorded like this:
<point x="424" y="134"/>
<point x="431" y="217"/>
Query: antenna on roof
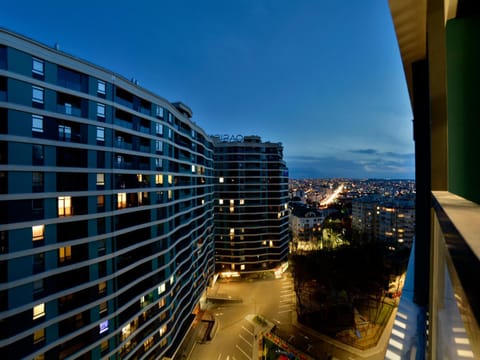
<point x="57" y="46"/>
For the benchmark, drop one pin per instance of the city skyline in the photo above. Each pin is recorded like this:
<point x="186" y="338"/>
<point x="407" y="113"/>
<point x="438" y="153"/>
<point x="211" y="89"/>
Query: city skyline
<point x="324" y="80"/>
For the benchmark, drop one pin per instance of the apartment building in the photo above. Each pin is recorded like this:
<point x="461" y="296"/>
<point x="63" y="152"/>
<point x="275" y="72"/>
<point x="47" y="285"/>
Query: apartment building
<point x="251" y="205"/>
<point x="391" y="221"/>
<point x="106" y="210"/>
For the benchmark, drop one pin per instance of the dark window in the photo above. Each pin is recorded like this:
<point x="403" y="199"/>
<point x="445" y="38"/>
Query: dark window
<point x="3" y="88"/>
<point x="38" y="263"/>
<point x="37" y="154"/>
<point x="3" y="242"/>
<point x="100" y="159"/>
<point x="3" y="182"/>
<point x="72" y="79"/>
<point x="3" y="120"/>
<point x="37" y="181"/>
<point x="3" y="57"/>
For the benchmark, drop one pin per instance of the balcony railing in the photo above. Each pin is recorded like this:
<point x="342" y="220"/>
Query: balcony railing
<point x="455" y="290"/>
<point x="451" y="329"/>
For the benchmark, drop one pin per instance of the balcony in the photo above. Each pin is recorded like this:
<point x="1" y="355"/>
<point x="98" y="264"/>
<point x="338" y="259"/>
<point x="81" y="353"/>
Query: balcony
<point x="452" y="327"/>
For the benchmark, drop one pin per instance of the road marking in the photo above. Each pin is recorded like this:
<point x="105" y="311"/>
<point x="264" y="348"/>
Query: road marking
<point x="283" y="305"/>
<point x="285" y="300"/>
<point x="278" y="321"/>
<point x="243" y="352"/>
<point x="218" y="314"/>
<point x="244" y="328"/>
<point x="285" y="311"/>
<point x="285" y="295"/>
<point x="219" y="356"/>
<point x="241" y="337"/>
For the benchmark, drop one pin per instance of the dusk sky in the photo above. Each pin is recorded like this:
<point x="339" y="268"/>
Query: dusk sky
<point x="324" y="78"/>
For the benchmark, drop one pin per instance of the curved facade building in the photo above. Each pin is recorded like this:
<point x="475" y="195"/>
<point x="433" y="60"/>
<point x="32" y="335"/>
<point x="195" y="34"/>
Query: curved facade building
<point x="251" y="212"/>
<point x="106" y="211"/>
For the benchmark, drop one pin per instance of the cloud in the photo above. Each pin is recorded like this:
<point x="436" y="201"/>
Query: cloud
<point x="358" y="163"/>
<point x="364" y="151"/>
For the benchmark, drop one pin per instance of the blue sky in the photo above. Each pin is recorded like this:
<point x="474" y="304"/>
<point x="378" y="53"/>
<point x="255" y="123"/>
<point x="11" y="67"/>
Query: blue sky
<point x="323" y="77"/>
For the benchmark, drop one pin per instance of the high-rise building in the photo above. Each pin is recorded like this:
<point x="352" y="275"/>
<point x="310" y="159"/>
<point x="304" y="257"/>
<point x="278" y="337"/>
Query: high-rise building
<point x="251" y="205"/>
<point x="106" y="210"/>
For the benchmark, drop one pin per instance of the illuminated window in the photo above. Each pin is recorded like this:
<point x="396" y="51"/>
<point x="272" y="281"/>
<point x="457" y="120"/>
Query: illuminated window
<point x="37" y="94"/>
<point x="100" y="201"/>
<point x="242" y="202"/>
<point x="38" y="335"/>
<point x="170" y="118"/>
<point x="147" y="344"/>
<point x="242" y="267"/>
<point x="121" y="200"/>
<point x="172" y="279"/>
<point x="101" y="87"/>
<point x="38" y="66"/>
<point x="232" y="234"/>
<point x="271" y="243"/>
<point x="102" y="287"/>
<point x="163" y="343"/>
<point x="163" y="330"/>
<point x="38" y="232"/>
<point x="64" y="206"/>
<point x="220" y="201"/>
<point x="104" y="346"/>
<point x="159" y="179"/>
<point x="37" y="123"/>
<point x="161" y="288"/>
<point x="169" y="194"/>
<point x="170" y="133"/>
<point x="100" y="179"/>
<point x="159" y="163"/>
<point x="64" y="254"/>
<point x="161" y="303"/>
<point x="100" y="110"/>
<point x="100" y="133"/>
<point x="170" y="179"/>
<point x="193" y="168"/>
<point x="38" y="311"/>
<point x="103" y="327"/>
<point x="221" y="180"/>
<point x="103" y="307"/>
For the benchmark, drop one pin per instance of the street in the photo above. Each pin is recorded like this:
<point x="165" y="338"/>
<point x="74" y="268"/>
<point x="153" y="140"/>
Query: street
<point x="274" y="299"/>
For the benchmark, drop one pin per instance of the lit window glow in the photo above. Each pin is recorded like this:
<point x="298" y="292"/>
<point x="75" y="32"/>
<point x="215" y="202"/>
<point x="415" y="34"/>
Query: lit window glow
<point x="64" y="206"/>
<point x="221" y="180"/>
<point x="121" y="200"/>
<point x="38" y="232"/>
<point x="38" y="311"/>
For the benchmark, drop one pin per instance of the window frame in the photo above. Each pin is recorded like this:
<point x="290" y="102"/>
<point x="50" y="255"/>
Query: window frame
<point x="37" y="90"/>
<point x="101" y="87"/>
<point x="101" y="110"/>
<point x="37" y="123"/>
<point x="38" y="70"/>
<point x="100" y="133"/>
